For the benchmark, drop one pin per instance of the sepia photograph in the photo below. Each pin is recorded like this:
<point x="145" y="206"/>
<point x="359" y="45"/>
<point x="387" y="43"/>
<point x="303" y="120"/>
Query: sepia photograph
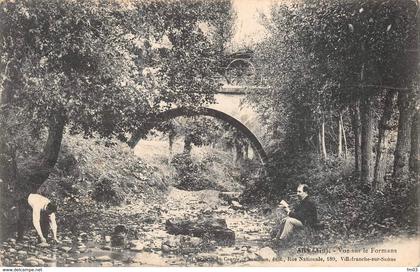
<point x="209" y="133"/>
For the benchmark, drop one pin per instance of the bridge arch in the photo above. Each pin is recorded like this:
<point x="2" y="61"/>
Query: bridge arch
<point x="183" y="111"/>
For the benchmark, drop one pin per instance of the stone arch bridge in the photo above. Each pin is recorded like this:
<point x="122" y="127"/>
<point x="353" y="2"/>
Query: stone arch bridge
<point x="229" y="105"/>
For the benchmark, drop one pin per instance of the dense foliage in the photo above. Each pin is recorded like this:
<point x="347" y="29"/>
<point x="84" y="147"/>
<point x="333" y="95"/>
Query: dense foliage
<point x="343" y="89"/>
<point x="205" y="169"/>
<point x="74" y="61"/>
<point x="97" y="69"/>
<point x="103" y="67"/>
<point x="330" y="65"/>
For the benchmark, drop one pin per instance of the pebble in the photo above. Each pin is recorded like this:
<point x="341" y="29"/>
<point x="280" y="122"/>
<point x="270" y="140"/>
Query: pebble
<point x="6" y="262"/>
<point x="22" y="252"/>
<point x="67" y="240"/>
<point x="172" y="242"/>
<point x="166" y="248"/>
<point x="32" y="261"/>
<point x="148" y="259"/>
<point x="222" y="261"/>
<point x="155" y="244"/>
<point x="81" y="247"/>
<point x="266" y="254"/>
<point x="134" y="242"/>
<point x="104" y="258"/>
<point x="107" y="264"/>
<point x="136" y="245"/>
<point x="138" y="248"/>
<point x="83" y="259"/>
<point x="195" y="241"/>
<point x="83" y="236"/>
<point x="65" y="249"/>
<point x="106" y="248"/>
<point x="47" y="259"/>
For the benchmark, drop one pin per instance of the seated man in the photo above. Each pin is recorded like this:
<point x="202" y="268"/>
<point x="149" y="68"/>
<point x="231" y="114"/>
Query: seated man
<point x="43" y="217"/>
<point x="304" y="214"/>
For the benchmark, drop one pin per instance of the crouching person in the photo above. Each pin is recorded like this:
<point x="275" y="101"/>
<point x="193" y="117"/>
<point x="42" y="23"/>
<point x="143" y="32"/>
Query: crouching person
<point x="43" y="217"/>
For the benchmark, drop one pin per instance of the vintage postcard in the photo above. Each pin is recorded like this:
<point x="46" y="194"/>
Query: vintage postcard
<point x="209" y="133"/>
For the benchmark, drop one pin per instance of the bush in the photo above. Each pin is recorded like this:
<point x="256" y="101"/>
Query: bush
<point x="191" y="174"/>
<point x="399" y="203"/>
<point x="286" y="171"/>
<point x="107" y="191"/>
<point x="67" y="164"/>
<point x="354" y="210"/>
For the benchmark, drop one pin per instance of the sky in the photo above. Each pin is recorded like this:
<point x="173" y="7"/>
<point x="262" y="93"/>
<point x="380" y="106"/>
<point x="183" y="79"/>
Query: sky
<point x="248" y="28"/>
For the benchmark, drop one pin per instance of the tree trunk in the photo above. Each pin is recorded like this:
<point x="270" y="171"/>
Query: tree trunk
<point x="415" y="143"/>
<point x="402" y="149"/>
<point x="303" y="134"/>
<point x="171" y="137"/>
<point x="356" y="132"/>
<point x="324" y="149"/>
<point x="239" y="154"/>
<point x="246" y="150"/>
<point x="320" y="143"/>
<point x="366" y="139"/>
<point x="340" y="136"/>
<point x="34" y="172"/>
<point x="187" y="144"/>
<point x="8" y="172"/>
<point x="344" y="137"/>
<point x="53" y="144"/>
<point x="382" y="144"/>
<point x="8" y="166"/>
<point x="415" y="128"/>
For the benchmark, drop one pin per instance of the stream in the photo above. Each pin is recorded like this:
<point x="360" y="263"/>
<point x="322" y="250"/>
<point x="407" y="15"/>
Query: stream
<point x="147" y="243"/>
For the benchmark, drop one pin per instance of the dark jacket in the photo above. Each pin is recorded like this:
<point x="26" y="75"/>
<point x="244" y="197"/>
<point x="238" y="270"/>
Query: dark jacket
<point x="305" y="211"/>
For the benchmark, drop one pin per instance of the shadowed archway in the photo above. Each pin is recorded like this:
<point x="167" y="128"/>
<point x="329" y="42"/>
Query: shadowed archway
<point x="173" y="113"/>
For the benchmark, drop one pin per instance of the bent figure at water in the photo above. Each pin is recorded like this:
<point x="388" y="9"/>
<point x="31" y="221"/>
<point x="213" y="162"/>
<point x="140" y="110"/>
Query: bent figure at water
<point x="43" y="217"/>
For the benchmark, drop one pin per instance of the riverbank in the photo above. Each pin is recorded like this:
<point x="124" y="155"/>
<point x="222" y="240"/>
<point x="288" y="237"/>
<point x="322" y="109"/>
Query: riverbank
<point x="147" y="242"/>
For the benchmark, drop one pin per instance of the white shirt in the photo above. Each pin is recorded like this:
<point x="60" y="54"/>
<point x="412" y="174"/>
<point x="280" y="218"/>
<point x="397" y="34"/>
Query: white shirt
<point x="39" y="203"/>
